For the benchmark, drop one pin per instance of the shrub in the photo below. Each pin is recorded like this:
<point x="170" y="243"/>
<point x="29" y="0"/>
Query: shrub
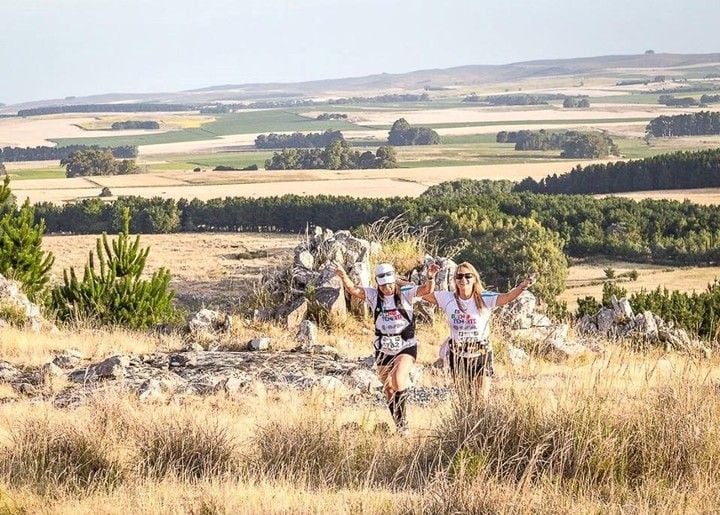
<point x="114" y="292"/>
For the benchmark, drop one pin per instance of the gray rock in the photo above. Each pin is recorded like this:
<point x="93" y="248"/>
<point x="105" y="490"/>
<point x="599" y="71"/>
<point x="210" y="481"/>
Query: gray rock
<point x="259" y="344"/>
<point x="183" y="359"/>
<point x="587" y="325"/>
<point x="114" y="367"/>
<point x="307" y="333"/>
<point x="646" y="325"/>
<point x="605" y="320"/>
<point x="293" y="313"/>
<point x="305" y="260"/>
<point x="622" y="310"/>
<point x="332" y="301"/>
<point x="150" y="390"/>
<point x="517" y="355"/>
<point x="69" y="358"/>
<point x="365" y="380"/>
<point x="52" y="370"/>
<point x="8" y="372"/>
<point x="333" y="386"/>
<point x="207" y="320"/>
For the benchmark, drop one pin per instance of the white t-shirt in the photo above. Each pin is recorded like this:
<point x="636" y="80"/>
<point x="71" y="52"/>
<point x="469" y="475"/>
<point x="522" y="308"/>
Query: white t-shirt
<point x="469" y="323"/>
<point x="389" y="320"/>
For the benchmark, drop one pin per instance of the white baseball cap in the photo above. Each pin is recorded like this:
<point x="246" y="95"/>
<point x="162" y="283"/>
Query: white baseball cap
<point x="384" y="273"/>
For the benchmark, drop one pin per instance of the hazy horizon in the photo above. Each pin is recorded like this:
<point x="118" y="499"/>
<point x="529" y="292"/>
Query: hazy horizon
<point x="60" y="48"/>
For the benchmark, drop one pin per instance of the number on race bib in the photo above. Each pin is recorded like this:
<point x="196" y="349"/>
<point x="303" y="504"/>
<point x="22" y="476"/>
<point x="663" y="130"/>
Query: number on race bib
<point x="391" y="344"/>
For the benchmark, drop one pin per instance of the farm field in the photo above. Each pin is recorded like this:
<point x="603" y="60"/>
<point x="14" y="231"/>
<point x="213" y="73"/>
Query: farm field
<point x="208" y="185"/>
<point x="586" y="279"/>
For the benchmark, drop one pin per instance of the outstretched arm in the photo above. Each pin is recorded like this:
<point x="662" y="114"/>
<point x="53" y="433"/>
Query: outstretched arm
<point x="350" y="287"/>
<point x="505" y="298"/>
<point x="429" y="286"/>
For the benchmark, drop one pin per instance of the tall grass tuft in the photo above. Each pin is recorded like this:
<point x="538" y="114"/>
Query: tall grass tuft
<point x="187" y="449"/>
<point x="52" y="458"/>
<point x="666" y="437"/>
<point x="317" y="453"/>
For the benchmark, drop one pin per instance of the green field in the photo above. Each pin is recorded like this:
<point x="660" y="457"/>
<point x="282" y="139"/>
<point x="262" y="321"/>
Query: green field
<point x="53" y="172"/>
<point x="271" y="120"/>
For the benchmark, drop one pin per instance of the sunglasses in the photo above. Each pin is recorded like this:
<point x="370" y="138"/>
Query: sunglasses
<point x="386" y="274"/>
<point x="464" y="276"/>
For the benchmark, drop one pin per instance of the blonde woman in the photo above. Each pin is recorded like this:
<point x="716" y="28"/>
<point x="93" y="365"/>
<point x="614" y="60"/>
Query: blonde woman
<point x="394" y="343"/>
<point x="467" y="313"/>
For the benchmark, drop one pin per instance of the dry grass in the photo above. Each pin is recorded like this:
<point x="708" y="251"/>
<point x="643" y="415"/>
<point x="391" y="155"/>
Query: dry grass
<point x="626" y="432"/>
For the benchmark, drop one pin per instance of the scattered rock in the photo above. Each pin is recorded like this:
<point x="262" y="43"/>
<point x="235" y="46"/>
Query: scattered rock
<point x="259" y="344"/>
<point x="365" y="380"/>
<point x="69" y="358"/>
<point x="517" y="355"/>
<point x="8" y="372"/>
<point x="307" y="333"/>
<point x="209" y="321"/>
<point x="293" y="313"/>
<point x="150" y="390"/>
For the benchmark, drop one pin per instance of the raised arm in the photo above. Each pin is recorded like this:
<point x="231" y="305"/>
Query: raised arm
<point x="355" y="291"/>
<point x="429" y="286"/>
<point x="505" y="298"/>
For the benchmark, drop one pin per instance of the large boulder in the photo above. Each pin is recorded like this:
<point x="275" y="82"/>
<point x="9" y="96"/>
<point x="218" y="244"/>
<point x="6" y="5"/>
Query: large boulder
<point x="293" y="313"/>
<point x="331" y="301"/>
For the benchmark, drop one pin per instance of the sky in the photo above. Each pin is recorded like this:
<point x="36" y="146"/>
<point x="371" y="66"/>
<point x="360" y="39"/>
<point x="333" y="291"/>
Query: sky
<point x="59" y="48"/>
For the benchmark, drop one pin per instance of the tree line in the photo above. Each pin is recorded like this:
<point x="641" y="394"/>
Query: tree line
<point x="298" y="139"/>
<point x="709" y="99"/>
<point x="673" y="101"/>
<point x="677" y="170"/>
<point x="331" y="116"/>
<point x="135" y="124"/>
<point x="580" y="101"/>
<point x="105" y="108"/>
<point x="402" y="134"/>
<point x="691" y="124"/>
<point x="514" y="100"/>
<point x="336" y="156"/>
<point x="87" y="162"/>
<point x="573" y="144"/>
<point x="44" y="153"/>
<point x="648" y="231"/>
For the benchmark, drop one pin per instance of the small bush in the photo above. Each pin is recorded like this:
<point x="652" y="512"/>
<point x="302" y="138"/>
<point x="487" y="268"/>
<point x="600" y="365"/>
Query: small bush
<point x="609" y="273"/>
<point x="115" y="292"/>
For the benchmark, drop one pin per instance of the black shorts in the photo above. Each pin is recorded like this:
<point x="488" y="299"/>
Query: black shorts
<point x="471" y="368"/>
<point x="386" y="360"/>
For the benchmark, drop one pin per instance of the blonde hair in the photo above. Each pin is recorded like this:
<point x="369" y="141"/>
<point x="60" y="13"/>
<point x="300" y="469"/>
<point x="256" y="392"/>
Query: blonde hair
<point x="477" y="284"/>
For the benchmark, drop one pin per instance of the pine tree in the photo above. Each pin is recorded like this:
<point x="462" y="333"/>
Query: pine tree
<point x="21" y="254"/>
<point x="113" y="292"/>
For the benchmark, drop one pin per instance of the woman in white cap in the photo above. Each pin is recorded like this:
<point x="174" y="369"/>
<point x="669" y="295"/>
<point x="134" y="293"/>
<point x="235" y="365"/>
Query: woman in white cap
<point x="395" y="344"/>
<point x="467" y="313"/>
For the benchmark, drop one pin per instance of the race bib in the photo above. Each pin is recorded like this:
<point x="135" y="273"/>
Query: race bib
<point x="468" y="336"/>
<point x="392" y="344"/>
